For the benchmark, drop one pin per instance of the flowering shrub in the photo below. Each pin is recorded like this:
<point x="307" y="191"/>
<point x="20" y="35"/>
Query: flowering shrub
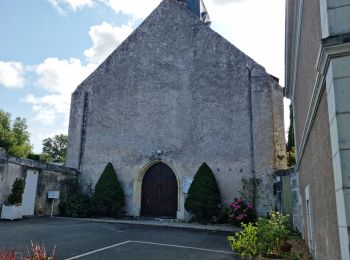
<point x="245" y="243"/>
<point x="273" y="234"/>
<point x="7" y="255"/>
<point x="241" y="212"/>
<point x="38" y="252"/>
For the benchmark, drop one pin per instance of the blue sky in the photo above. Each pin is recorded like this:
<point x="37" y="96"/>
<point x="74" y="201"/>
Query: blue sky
<point x="47" y="47"/>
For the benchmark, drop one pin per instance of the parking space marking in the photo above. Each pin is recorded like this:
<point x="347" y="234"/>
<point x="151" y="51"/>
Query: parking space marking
<point x="178" y="246"/>
<point x="98" y="250"/>
<point x="149" y="243"/>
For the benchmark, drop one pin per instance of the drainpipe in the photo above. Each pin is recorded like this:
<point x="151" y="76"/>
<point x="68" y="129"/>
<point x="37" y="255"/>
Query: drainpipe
<point x="252" y="150"/>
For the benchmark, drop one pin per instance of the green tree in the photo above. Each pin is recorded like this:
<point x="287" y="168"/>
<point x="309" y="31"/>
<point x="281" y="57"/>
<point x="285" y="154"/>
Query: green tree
<point x="55" y="149"/>
<point x="291" y="141"/>
<point x="14" y="136"/>
<point x="108" y="199"/>
<point x="204" y="197"/>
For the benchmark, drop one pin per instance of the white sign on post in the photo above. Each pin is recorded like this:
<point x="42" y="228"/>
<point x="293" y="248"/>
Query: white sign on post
<point x="186" y="184"/>
<point x="53" y="195"/>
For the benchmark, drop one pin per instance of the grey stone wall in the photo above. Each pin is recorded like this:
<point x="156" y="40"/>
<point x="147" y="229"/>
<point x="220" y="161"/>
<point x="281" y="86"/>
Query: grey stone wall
<point x="177" y="86"/>
<point x="279" y="139"/>
<point x="51" y="177"/>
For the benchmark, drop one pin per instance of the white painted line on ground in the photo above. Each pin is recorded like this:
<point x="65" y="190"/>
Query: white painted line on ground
<point x="97" y="250"/>
<point x="186" y="247"/>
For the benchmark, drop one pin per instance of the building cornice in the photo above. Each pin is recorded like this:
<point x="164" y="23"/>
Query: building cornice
<point x="293" y="63"/>
<point x="326" y="53"/>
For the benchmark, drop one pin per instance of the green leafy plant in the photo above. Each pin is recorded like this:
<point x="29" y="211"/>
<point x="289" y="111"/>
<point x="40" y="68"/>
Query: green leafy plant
<point x="291" y="157"/>
<point x="204" y="195"/>
<point x="17" y="192"/>
<point x="245" y="243"/>
<point x="268" y="237"/>
<point x="75" y="202"/>
<point x="108" y="199"/>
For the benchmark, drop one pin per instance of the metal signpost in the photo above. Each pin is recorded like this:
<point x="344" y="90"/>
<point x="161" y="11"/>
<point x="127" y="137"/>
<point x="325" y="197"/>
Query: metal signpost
<point x="53" y="195"/>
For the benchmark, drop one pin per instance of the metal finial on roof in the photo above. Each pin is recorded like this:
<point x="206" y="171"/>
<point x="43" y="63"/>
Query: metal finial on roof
<point x="199" y="9"/>
<point x="204" y="13"/>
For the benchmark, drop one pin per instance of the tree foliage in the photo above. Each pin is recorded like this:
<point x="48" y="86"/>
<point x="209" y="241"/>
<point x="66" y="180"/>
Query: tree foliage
<point x="108" y="199"/>
<point x="291" y="141"/>
<point x="55" y="149"/>
<point x="14" y="136"/>
<point x="204" y="197"/>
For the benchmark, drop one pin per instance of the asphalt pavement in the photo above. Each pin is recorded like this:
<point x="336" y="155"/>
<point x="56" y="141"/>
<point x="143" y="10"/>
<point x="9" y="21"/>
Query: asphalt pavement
<point x="83" y="239"/>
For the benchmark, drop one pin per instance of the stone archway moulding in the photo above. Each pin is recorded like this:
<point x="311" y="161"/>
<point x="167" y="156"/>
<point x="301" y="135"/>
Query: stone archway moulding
<point x="137" y="188"/>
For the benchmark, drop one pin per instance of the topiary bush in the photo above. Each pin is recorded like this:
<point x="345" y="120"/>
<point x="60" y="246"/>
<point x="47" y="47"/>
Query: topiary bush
<point x="108" y="199"/>
<point x="204" y="198"/>
<point x="17" y="192"/>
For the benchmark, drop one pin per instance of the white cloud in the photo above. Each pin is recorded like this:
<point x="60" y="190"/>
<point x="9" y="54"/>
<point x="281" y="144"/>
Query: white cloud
<point x="59" y="78"/>
<point x="72" y="4"/>
<point x="105" y="39"/>
<point x="223" y="2"/>
<point x="256" y="27"/>
<point x="135" y="8"/>
<point x="62" y="76"/>
<point x="11" y="74"/>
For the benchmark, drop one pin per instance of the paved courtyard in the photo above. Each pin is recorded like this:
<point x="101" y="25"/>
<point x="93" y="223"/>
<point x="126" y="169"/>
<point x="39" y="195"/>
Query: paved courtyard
<point x="81" y="239"/>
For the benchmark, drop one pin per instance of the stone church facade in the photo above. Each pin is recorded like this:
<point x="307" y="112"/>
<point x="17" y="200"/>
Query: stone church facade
<point x="173" y="95"/>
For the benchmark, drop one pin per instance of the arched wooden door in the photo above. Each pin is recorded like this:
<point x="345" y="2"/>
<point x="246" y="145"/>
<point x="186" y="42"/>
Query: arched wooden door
<point x="159" y="192"/>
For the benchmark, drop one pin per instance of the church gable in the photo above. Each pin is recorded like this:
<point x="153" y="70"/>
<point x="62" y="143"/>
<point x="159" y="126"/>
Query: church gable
<point x="174" y="39"/>
<point x="176" y="89"/>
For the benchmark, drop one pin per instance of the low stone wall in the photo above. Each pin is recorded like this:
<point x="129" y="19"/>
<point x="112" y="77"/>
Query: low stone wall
<point x="51" y="178"/>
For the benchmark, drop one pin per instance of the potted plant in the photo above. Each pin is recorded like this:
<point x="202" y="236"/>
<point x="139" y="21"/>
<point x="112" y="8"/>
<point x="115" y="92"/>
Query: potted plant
<point x="12" y="209"/>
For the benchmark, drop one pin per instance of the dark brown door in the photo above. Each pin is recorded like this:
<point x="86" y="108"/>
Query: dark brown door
<point x="159" y="192"/>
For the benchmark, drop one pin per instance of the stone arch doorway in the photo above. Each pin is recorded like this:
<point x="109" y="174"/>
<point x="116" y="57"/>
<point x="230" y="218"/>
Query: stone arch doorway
<point x="159" y="192"/>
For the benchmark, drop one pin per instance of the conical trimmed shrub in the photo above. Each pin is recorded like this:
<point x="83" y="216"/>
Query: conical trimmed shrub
<point x="204" y="198"/>
<point x="17" y="192"/>
<point x="108" y="199"/>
